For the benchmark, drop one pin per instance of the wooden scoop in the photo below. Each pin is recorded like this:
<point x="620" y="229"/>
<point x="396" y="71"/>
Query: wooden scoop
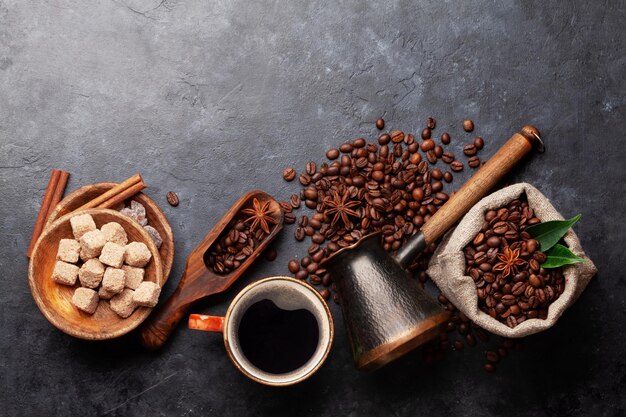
<point x="198" y="281"/>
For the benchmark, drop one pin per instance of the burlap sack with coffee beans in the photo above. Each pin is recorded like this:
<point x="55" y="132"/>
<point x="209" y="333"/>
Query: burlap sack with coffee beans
<point x="447" y="267"/>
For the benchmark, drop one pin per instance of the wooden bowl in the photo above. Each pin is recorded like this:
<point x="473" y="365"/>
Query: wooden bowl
<point x="55" y="300"/>
<point x="155" y="216"/>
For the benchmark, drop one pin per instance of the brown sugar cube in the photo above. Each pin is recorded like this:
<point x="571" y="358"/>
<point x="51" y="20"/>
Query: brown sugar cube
<point x="113" y="255"/>
<point x="91" y="273"/>
<point x="137" y="254"/>
<point x="123" y="303"/>
<point x="65" y="273"/>
<point x="91" y="243"/>
<point x="147" y="294"/>
<point x="113" y="280"/>
<point x="68" y="251"/>
<point x="104" y="294"/>
<point x="85" y="299"/>
<point x="85" y="256"/>
<point x="82" y="224"/>
<point x="134" y="276"/>
<point x="114" y="232"/>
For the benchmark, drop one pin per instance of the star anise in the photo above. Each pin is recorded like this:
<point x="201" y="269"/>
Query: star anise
<point x="341" y="208"/>
<point x="509" y="260"/>
<point x="260" y="215"/>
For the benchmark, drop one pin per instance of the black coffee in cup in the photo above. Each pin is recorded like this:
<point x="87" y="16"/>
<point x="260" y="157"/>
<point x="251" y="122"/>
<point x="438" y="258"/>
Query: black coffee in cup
<point x="275" y="340"/>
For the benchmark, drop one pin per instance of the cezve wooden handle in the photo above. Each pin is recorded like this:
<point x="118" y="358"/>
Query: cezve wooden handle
<point x="480" y="183"/>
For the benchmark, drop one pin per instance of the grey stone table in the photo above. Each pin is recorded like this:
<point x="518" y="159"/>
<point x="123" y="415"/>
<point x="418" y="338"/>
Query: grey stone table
<point x="214" y="98"/>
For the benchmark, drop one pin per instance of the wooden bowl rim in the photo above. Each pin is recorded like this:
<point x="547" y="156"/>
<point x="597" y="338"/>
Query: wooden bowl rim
<point x="50" y="315"/>
<point x="168" y="261"/>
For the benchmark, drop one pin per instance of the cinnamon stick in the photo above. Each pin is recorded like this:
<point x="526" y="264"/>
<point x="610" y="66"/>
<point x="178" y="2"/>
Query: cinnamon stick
<point x="114" y="192"/>
<point x="60" y="190"/>
<point x="51" y="190"/>
<point x="119" y="198"/>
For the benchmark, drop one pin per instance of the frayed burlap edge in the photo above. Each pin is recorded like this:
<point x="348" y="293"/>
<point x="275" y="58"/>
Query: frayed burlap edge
<point x="447" y="267"/>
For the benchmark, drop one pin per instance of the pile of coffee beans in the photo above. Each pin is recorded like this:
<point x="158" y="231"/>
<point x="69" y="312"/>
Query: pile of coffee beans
<point x="234" y="246"/>
<point x="389" y="186"/>
<point x="526" y="290"/>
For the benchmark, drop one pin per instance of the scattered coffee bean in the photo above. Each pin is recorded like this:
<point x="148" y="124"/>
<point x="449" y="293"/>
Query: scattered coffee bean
<point x="289" y="174"/>
<point x="332" y="154"/>
<point x="456" y="166"/>
<point x="447" y="157"/>
<point x="293" y="266"/>
<point x="479" y="142"/>
<point x="311" y="168"/>
<point x="431" y="123"/>
<point x="427" y="145"/>
<point x="468" y="125"/>
<point x="445" y="138"/>
<point x="473" y="162"/>
<point x="380" y="123"/>
<point x="172" y="199"/>
<point x="294" y="200"/>
<point x="426" y="133"/>
<point x="469" y="150"/>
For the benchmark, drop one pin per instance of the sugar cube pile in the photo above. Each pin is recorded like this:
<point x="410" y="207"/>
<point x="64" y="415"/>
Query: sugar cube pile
<point x="112" y="267"/>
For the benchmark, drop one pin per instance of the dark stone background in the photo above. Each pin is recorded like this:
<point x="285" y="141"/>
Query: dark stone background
<point x="214" y="98"/>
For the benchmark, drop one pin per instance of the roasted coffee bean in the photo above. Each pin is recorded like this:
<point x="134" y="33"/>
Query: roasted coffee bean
<point x="311" y="168"/>
<point x="384" y="139"/>
<point x="293" y="266"/>
<point x="493" y="242"/>
<point x="427" y="145"/>
<point x="289" y="218"/>
<point x="325" y="294"/>
<point x="473" y="162"/>
<point x="359" y="142"/>
<point x="445" y="138"/>
<point x="346" y="148"/>
<point x="489" y="367"/>
<point x="456" y="166"/>
<point x="447" y="176"/>
<point x="332" y="154"/>
<point x="447" y="157"/>
<point x="299" y="234"/>
<point x="289" y="174"/>
<point x="492" y="356"/>
<point x="172" y="199"/>
<point x="397" y="136"/>
<point x="468" y="125"/>
<point x="315" y="279"/>
<point x="301" y="275"/>
<point x="431" y="156"/>
<point x="469" y="150"/>
<point x="431" y="123"/>
<point x="426" y="133"/>
<point x="380" y="123"/>
<point x="294" y="200"/>
<point x="479" y="143"/>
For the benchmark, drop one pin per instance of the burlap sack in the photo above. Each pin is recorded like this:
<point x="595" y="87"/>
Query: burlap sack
<point x="447" y="267"/>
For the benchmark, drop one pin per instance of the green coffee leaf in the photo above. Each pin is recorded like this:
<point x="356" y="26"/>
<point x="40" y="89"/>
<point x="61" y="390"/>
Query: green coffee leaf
<point x="560" y="255"/>
<point x="549" y="233"/>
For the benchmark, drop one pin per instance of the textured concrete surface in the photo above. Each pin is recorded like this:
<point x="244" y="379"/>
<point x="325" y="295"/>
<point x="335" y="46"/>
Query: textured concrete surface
<point x="213" y="98"/>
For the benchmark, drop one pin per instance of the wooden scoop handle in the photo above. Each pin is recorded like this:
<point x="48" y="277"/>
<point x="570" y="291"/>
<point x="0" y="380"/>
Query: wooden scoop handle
<point x="162" y="322"/>
<point x="481" y="182"/>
